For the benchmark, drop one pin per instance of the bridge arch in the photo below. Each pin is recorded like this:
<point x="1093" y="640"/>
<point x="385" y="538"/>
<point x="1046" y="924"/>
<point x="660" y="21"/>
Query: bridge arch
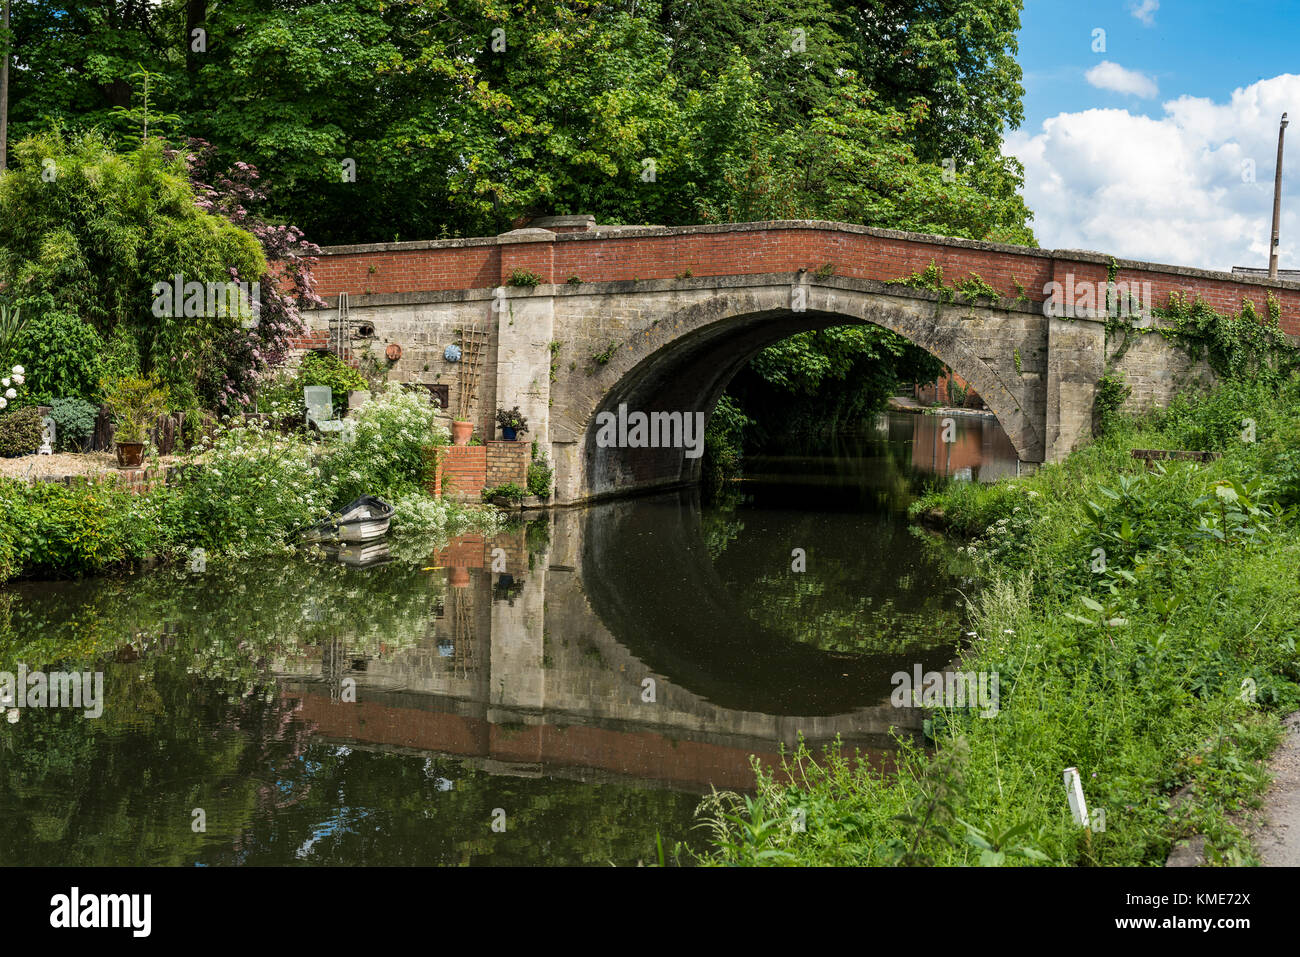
<point x="695" y="341"/>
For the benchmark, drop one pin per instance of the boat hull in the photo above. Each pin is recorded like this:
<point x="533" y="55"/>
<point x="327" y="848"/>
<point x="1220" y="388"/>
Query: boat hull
<point x="365" y="519"/>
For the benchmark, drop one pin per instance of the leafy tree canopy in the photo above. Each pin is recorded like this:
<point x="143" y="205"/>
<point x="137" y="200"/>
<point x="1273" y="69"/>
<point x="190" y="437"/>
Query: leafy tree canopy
<point x="86" y="231"/>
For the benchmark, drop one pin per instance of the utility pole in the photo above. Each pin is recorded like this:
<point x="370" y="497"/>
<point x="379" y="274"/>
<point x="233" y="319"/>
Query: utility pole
<point x="1277" y="203"/>
<point x="4" y="87"/>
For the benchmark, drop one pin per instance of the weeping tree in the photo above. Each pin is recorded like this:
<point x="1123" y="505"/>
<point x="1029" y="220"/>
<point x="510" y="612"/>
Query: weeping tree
<point x="87" y="233"/>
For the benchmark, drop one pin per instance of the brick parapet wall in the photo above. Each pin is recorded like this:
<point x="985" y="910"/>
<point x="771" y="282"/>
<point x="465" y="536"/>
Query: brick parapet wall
<point x="507" y="462"/>
<point x="617" y="254"/>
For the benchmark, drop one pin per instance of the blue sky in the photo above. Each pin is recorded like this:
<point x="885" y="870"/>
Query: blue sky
<point x="1193" y="47"/>
<point x="1161" y="146"/>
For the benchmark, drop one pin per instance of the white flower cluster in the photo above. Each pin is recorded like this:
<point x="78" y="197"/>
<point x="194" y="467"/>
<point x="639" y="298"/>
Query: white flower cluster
<point x="16" y="377"/>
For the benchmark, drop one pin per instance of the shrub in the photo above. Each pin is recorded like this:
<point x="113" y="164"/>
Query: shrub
<point x="1112" y="392"/>
<point x="279" y="394"/>
<point x="15" y="390"/>
<point x="135" y="404"/>
<point x="8" y="552"/>
<point x="121" y="355"/>
<point x="723" y="443"/>
<point x="386" y="452"/>
<point x="510" y="492"/>
<point x="74" y="421"/>
<point x="1214" y="421"/>
<point x="20" y="432"/>
<point x="94" y="244"/>
<point x="63" y="356"/>
<point x="540" y="473"/>
<point x="62" y="531"/>
<point x="325" y="368"/>
<point x="11" y="327"/>
<point x="253" y="490"/>
<point x="418" y="513"/>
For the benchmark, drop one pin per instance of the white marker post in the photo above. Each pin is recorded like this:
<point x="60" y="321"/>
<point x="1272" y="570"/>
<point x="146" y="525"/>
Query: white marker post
<point x="1074" y="791"/>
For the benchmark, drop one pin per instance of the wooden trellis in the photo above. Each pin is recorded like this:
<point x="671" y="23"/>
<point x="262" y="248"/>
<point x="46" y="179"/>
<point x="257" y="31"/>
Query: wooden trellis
<point x="473" y="343"/>
<point x="341" y="330"/>
<point x="462" y="631"/>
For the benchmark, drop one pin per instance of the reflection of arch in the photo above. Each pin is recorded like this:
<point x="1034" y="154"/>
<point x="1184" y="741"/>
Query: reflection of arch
<point x="684" y="362"/>
<point x="648" y="576"/>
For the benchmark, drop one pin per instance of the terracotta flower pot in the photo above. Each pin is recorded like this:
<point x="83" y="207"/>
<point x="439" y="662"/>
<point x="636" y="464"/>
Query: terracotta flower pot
<point x="130" y="455"/>
<point x="461" y="432"/>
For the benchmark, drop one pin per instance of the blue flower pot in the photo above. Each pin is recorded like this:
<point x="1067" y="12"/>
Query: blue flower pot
<point x="508" y="433"/>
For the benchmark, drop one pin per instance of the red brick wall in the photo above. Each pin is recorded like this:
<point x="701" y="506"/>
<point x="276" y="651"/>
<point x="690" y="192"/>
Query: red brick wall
<point x="475" y="551"/>
<point x="641" y="753"/>
<point x="311" y="340"/>
<point x="463" y="471"/>
<point x="597" y="257"/>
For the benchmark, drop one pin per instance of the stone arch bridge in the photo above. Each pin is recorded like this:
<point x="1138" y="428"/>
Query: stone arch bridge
<point x="660" y="319"/>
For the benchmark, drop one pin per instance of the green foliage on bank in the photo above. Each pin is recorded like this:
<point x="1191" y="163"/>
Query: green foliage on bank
<point x="246" y="492"/>
<point x="1144" y="628"/>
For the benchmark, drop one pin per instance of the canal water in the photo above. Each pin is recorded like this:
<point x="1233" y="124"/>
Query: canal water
<point x="563" y="692"/>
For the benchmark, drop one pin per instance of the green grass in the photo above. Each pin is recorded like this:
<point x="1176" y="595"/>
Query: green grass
<point x="1131" y="669"/>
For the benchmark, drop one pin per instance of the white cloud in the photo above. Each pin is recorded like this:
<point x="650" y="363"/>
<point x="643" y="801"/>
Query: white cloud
<point x="1145" y="11"/>
<point x="1168" y="189"/>
<point x="1111" y="76"/>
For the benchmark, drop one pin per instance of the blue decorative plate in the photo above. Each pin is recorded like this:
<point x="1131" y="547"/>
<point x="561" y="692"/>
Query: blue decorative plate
<point x="451" y="353"/>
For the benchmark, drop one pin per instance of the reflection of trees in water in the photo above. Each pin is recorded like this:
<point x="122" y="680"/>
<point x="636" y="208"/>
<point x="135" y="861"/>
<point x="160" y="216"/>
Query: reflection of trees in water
<point x="122" y="789"/>
<point x="868" y="587"/>
<point x="232" y="625"/>
<point x="378" y="807"/>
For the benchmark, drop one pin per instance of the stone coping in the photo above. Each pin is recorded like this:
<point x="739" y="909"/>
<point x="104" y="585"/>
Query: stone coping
<point x="731" y="281"/>
<point x="533" y="234"/>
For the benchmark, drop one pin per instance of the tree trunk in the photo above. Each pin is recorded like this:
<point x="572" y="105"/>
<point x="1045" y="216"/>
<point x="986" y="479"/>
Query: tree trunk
<point x="4" y="88"/>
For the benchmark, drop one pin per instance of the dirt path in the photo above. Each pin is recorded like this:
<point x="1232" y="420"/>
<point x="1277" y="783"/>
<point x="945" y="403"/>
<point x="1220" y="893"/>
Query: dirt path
<point x="34" y="467"/>
<point x="1277" y="838"/>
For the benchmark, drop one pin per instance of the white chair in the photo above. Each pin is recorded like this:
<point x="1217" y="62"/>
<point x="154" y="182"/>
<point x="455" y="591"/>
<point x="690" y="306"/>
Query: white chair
<point x="320" y="408"/>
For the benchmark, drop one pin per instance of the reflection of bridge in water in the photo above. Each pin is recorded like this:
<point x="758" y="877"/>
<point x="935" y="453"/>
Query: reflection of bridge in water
<point x="978" y="449"/>
<point x="612" y="649"/>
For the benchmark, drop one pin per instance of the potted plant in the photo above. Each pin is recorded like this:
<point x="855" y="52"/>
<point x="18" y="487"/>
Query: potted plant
<point x="512" y="422"/>
<point x="135" y="404"/>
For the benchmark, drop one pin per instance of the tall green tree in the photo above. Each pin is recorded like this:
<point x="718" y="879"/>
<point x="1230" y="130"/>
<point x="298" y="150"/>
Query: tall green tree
<point x="87" y="232"/>
<point x="959" y="55"/>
